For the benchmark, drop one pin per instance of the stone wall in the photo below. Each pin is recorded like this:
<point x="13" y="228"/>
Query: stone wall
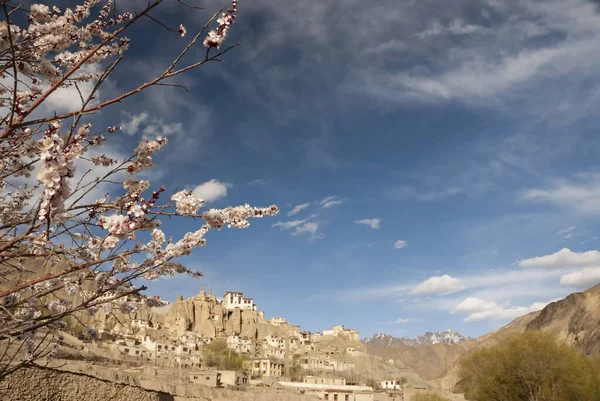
<point x="33" y="384"/>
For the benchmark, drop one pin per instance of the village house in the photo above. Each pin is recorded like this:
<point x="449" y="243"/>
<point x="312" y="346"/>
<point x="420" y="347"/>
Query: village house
<point x="274" y="353"/>
<point x="325" y="380"/>
<point x="353" y="351"/>
<point x="205" y="378"/>
<point x="273" y="342"/>
<point x="266" y="367"/>
<point x="393" y="384"/>
<point x="320" y="362"/>
<point x="335" y="390"/>
<point x="277" y="321"/>
<point x="239" y="344"/>
<point x="141" y="323"/>
<point x="339" y="331"/>
<point x="234" y="378"/>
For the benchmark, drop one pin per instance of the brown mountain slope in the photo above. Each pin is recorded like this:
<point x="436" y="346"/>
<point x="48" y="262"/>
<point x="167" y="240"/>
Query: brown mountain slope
<point x="574" y="320"/>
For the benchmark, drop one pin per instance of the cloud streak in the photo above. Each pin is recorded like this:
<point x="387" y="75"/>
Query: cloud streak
<point x="563" y="259"/>
<point x="373" y="223"/>
<point x="298" y="208"/>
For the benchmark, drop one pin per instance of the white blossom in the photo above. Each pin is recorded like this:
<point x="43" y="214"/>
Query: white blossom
<point x="215" y="37"/>
<point x="186" y="203"/>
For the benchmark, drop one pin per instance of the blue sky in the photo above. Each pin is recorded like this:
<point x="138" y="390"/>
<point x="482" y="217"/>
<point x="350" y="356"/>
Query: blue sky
<point x="468" y="131"/>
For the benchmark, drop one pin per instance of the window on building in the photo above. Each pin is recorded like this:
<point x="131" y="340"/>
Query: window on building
<point x="207" y="377"/>
<point x="335" y="397"/>
<point x="346" y="397"/>
<point x="326" y="396"/>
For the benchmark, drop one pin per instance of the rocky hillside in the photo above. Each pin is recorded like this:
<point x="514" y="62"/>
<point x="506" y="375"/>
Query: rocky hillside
<point x="429" y="338"/>
<point x="574" y="320"/>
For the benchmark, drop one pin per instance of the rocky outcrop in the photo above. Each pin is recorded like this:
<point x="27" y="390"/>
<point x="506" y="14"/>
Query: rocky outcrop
<point x="202" y="315"/>
<point x="208" y="318"/>
<point x="35" y="384"/>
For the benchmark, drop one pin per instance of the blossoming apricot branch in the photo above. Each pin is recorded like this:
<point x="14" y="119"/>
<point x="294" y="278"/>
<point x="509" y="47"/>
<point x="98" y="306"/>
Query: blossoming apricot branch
<point x="61" y="251"/>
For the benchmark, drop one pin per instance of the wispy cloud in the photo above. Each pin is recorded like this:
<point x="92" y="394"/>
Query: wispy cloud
<point x="505" y="284"/>
<point x="257" y="182"/>
<point x="457" y="27"/>
<point x="330" y="202"/>
<point x="152" y="127"/>
<point x="581" y="193"/>
<point x="408" y="320"/>
<point x="310" y="228"/>
<point x="566" y="232"/>
<point x="480" y="309"/>
<point x="302" y="226"/>
<point x="298" y="208"/>
<point x="373" y="223"/>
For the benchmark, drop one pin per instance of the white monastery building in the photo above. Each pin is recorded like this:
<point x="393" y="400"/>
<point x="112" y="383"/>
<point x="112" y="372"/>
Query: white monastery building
<point x="232" y="300"/>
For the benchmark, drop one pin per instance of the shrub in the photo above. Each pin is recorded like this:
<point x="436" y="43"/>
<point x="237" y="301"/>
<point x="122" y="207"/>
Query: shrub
<point x="530" y="367"/>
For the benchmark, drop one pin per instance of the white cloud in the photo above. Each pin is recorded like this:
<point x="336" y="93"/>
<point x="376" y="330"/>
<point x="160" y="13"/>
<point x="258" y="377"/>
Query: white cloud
<point x="498" y="285"/>
<point x="311" y="228"/>
<point x="373" y="223"/>
<point x="457" y="27"/>
<point x="211" y="190"/>
<point x="400" y="244"/>
<point x="408" y="320"/>
<point x="582" y="278"/>
<point x="480" y="309"/>
<point x="438" y="285"/>
<point x="132" y="126"/>
<point x="330" y="201"/>
<point x="284" y="225"/>
<point x="68" y="99"/>
<point x="471" y="304"/>
<point x="298" y="208"/>
<point x="152" y="127"/>
<point x="160" y="128"/>
<point x="303" y="226"/>
<point x="563" y="259"/>
<point x="581" y="193"/>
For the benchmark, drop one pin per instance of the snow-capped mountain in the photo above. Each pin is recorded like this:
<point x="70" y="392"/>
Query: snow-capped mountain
<point x="429" y="338"/>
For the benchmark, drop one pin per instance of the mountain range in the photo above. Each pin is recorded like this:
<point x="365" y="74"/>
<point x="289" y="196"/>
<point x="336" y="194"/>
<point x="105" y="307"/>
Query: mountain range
<point x="441" y="337"/>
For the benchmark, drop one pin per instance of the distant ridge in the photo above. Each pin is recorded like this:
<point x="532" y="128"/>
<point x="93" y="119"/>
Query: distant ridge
<point x="441" y="337"/>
